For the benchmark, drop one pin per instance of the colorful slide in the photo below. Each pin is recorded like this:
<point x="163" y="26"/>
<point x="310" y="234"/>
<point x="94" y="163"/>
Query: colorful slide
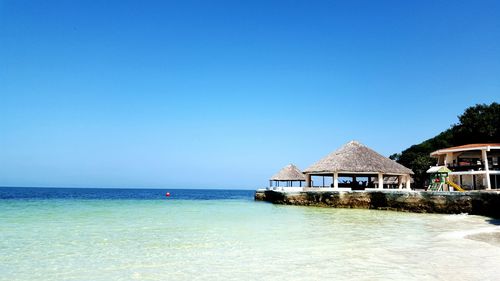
<point x="455" y="186"/>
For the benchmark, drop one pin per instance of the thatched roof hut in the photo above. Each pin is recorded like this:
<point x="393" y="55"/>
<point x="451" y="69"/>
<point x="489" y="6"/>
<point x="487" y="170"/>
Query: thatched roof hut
<point x="289" y="173"/>
<point x="354" y="157"/>
<point x="356" y="160"/>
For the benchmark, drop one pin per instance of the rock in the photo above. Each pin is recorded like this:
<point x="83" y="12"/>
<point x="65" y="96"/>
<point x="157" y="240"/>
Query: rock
<point x="476" y="203"/>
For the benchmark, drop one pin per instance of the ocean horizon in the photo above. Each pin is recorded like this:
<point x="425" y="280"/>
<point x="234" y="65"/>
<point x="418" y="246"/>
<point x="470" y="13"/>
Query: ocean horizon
<point x="64" y="193"/>
<point x="131" y="187"/>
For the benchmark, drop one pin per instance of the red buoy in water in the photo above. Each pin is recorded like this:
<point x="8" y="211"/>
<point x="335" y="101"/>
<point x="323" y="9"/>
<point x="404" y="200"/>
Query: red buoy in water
<point x="167" y="194"/>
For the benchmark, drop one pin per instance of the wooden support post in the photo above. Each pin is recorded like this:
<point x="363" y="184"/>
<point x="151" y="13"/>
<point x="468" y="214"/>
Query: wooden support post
<point x="336" y="180"/>
<point x="400" y="182"/>
<point x="408" y="182"/>
<point x="380" y="181"/>
<point x="308" y="180"/>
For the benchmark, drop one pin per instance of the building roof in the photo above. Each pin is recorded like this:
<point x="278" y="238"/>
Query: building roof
<point x="438" y="169"/>
<point x="466" y="147"/>
<point x="289" y="173"/>
<point x="354" y="157"/>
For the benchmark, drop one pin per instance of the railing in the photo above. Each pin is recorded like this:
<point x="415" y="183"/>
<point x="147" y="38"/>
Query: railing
<point x="285" y="188"/>
<point x="457" y="168"/>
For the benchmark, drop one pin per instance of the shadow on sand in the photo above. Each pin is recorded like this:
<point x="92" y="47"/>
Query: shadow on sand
<point x="494" y="221"/>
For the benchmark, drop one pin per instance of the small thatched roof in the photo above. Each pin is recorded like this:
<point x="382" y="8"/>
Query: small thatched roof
<point x="289" y="173"/>
<point x="354" y="157"/>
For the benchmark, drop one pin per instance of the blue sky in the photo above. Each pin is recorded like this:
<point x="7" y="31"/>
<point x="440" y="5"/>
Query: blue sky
<point x="222" y="94"/>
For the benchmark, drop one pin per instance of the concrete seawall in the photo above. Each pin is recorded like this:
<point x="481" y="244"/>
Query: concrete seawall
<point x="474" y="203"/>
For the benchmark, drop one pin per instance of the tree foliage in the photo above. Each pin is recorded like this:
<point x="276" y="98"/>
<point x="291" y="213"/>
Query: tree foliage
<point x="478" y="124"/>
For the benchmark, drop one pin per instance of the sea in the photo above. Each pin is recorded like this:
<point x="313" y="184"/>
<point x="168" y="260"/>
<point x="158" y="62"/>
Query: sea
<point x="141" y="234"/>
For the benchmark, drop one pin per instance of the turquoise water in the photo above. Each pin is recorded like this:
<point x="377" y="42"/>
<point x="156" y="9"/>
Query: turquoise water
<point x="237" y="239"/>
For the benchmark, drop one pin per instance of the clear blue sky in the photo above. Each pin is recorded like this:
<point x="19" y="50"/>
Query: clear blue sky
<point x="222" y="94"/>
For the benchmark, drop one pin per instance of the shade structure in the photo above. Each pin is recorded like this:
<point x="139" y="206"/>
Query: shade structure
<point x="438" y="169"/>
<point x="354" y="157"/>
<point x="289" y="173"/>
<point x="354" y="160"/>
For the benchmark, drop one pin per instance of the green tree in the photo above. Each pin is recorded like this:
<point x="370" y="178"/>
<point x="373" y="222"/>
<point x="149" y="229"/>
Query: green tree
<point x="478" y="124"/>
<point x="395" y="156"/>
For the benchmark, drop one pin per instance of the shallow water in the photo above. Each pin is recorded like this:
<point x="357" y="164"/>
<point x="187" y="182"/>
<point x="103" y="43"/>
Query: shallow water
<point x="70" y="238"/>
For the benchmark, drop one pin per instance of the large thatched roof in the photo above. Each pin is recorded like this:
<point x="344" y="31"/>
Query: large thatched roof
<point x="289" y="173"/>
<point x="354" y="157"/>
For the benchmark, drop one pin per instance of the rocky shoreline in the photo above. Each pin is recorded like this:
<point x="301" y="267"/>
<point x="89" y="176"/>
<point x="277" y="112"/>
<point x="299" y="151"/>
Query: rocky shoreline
<point x="473" y="202"/>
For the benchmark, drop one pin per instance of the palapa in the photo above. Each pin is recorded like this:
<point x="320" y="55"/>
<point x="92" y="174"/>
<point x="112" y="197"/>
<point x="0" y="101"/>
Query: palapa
<point x="289" y="173"/>
<point x="354" y="157"/>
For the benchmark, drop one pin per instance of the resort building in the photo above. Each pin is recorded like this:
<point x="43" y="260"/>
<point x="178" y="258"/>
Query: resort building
<point x="355" y="167"/>
<point x="472" y="166"/>
<point x="290" y="178"/>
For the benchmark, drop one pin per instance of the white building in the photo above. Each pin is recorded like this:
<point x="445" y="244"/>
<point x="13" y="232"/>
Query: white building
<point x="473" y="166"/>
